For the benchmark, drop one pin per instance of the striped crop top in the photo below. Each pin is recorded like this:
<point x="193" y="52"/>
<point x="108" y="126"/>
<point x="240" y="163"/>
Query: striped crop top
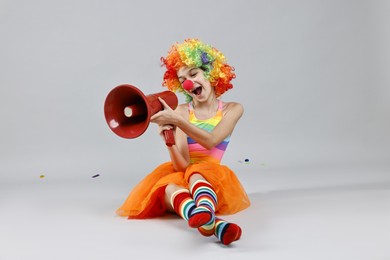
<point x="197" y="152"/>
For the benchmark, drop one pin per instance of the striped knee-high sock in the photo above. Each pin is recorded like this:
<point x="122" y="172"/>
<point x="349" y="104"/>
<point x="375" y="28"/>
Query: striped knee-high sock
<point x="204" y="213"/>
<point x="226" y="232"/>
<point x="182" y="203"/>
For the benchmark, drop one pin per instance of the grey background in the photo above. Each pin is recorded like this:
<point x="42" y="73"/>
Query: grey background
<point x="313" y="78"/>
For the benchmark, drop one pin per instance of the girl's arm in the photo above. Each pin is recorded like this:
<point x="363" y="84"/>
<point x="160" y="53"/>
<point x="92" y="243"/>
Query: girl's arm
<point x="232" y="113"/>
<point x="210" y="139"/>
<point x="179" y="151"/>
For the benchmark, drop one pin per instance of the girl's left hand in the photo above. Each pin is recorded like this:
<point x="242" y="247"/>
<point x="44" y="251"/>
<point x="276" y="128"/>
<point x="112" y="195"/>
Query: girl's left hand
<point x="162" y="128"/>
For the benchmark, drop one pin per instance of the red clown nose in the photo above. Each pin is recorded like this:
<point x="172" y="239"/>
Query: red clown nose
<point x="188" y="85"/>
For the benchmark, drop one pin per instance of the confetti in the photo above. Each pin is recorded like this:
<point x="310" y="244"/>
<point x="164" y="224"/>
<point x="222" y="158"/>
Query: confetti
<point x="97" y="175"/>
<point x="42" y="176"/>
<point x="246" y="161"/>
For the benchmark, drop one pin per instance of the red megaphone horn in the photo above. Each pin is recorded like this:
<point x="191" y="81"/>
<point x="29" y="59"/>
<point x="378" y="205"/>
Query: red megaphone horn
<point x="128" y="111"/>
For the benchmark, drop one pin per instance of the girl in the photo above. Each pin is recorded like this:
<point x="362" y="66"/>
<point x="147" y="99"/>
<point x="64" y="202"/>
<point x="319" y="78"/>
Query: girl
<point x="194" y="184"/>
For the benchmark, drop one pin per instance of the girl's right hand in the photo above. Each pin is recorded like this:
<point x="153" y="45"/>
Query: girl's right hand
<point x="162" y="128"/>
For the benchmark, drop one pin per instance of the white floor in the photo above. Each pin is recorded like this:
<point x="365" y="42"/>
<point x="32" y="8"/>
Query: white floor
<point x="318" y="212"/>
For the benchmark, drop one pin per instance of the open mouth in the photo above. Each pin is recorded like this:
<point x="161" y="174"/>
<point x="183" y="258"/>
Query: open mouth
<point x="197" y="91"/>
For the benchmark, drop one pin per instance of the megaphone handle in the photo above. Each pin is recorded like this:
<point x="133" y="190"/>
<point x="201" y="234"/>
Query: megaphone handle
<point x="169" y="137"/>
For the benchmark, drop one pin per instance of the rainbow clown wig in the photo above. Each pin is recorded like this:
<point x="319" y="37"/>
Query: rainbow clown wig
<point x="194" y="53"/>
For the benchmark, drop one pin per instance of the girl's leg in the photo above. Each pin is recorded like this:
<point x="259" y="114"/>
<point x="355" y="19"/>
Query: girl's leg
<point x="178" y="199"/>
<point x="206" y="200"/>
<point x="226" y="232"/>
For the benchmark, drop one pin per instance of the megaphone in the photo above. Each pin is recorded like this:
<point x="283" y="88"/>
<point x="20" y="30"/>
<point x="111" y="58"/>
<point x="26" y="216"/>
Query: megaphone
<point x="128" y="111"/>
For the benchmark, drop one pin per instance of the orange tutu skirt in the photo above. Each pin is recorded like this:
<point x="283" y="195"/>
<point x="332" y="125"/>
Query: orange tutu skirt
<point x="146" y="200"/>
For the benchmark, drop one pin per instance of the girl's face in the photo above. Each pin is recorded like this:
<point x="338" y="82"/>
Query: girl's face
<point x="202" y="89"/>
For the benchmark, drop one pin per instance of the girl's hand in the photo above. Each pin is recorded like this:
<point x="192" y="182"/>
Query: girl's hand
<point x="162" y="128"/>
<point x="165" y="117"/>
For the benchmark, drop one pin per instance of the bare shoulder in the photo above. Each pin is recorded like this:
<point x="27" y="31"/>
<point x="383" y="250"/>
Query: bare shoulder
<point x="233" y="108"/>
<point x="182" y="109"/>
